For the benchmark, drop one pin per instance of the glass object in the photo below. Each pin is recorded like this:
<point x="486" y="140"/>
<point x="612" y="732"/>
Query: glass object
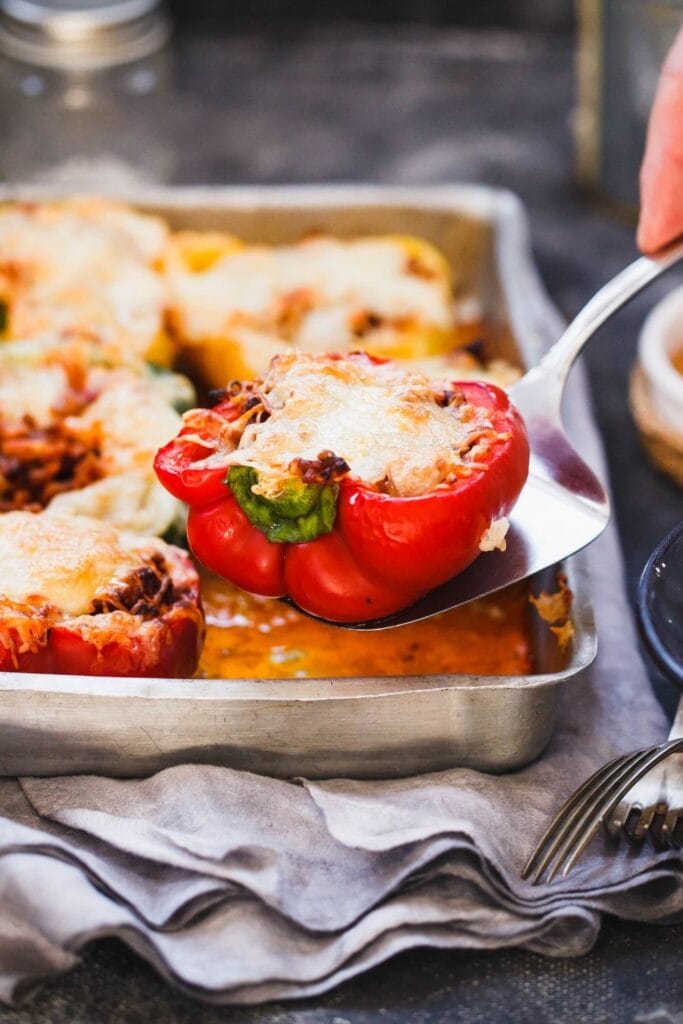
<point x="622" y="45"/>
<point x="85" y="92"/>
<point x="660" y="604"/>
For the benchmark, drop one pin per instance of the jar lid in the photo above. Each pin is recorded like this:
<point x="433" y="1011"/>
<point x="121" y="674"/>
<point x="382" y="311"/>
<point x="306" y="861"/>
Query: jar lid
<point x="81" y="34"/>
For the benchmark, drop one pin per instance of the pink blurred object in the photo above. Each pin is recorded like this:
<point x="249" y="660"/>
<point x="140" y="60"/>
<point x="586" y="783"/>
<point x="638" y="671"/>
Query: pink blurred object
<point x="661" y="174"/>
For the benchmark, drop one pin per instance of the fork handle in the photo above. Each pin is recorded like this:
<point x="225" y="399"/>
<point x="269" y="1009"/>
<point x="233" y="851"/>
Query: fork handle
<point x="552" y="371"/>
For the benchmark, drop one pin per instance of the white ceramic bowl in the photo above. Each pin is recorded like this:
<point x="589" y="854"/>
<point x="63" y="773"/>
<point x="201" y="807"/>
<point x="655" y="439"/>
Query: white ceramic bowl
<point x="660" y="338"/>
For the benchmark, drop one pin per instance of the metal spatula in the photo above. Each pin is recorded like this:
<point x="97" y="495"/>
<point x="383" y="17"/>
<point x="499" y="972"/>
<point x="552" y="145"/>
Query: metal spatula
<point x="563" y="506"/>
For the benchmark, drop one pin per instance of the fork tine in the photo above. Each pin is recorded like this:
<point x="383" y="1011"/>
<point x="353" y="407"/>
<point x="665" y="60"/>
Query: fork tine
<point x="669" y="825"/>
<point x="579" y="818"/>
<point x="621" y="821"/>
<point x="642" y="810"/>
<point x="604" y="804"/>
<point x="568" y="829"/>
<point x="644" y="822"/>
<point x="651" y="807"/>
<point x="558" y="825"/>
<point x="658" y="832"/>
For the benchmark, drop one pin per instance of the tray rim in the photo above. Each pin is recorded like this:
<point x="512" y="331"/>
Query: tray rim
<point x="512" y="249"/>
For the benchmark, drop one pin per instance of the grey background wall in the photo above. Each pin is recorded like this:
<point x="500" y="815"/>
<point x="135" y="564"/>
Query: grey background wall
<point x="229" y="14"/>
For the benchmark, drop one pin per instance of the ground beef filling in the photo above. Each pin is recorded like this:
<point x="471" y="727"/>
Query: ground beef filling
<point x="148" y="591"/>
<point x="39" y="462"/>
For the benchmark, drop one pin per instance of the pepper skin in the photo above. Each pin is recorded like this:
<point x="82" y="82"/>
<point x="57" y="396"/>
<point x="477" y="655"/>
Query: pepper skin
<point x="123" y="644"/>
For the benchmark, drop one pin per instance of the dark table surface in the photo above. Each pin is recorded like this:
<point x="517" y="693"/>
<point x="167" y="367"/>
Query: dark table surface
<point x="420" y="106"/>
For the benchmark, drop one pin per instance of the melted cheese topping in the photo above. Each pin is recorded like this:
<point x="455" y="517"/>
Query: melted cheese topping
<point x="132" y="500"/>
<point x="382" y="420"/>
<point x="313" y="294"/>
<point x="63" y="560"/>
<point x="133" y="420"/>
<point x="131" y="416"/>
<point x="32" y="390"/>
<point x="82" y="266"/>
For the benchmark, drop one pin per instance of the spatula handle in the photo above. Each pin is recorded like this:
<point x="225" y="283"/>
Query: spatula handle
<point x="544" y="384"/>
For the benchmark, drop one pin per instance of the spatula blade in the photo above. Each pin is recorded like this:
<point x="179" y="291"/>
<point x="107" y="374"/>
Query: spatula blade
<point x="548" y="524"/>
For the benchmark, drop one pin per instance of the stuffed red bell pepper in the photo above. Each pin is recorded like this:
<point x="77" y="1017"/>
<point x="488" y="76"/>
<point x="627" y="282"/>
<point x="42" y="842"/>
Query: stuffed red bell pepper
<point x="352" y="485"/>
<point x="80" y="597"/>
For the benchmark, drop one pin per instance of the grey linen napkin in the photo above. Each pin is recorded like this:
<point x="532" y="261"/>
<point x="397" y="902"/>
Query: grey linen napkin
<point x="239" y="888"/>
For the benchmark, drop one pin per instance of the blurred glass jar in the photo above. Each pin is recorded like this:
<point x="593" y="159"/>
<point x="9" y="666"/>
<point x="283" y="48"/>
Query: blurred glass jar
<point x="622" y="45"/>
<point x="85" y="92"/>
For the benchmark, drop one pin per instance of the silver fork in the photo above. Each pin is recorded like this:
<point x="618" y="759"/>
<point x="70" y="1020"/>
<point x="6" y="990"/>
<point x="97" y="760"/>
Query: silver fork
<point x="615" y="794"/>
<point x="578" y="820"/>
<point x="654" y="806"/>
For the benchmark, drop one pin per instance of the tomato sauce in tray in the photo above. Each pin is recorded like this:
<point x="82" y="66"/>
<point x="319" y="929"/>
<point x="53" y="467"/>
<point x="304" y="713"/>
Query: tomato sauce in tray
<point x="261" y="638"/>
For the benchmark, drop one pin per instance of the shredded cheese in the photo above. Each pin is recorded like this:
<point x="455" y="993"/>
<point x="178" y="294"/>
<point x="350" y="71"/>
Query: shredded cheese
<point x="385" y="423"/>
<point x="62" y="560"/>
<point x="319" y="294"/>
<point x="493" y="538"/>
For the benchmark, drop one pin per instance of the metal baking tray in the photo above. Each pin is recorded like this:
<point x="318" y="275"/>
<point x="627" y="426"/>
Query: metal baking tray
<point x="358" y="727"/>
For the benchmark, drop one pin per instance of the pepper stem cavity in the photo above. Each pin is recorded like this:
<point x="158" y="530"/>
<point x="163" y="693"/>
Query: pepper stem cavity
<point x="301" y="512"/>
